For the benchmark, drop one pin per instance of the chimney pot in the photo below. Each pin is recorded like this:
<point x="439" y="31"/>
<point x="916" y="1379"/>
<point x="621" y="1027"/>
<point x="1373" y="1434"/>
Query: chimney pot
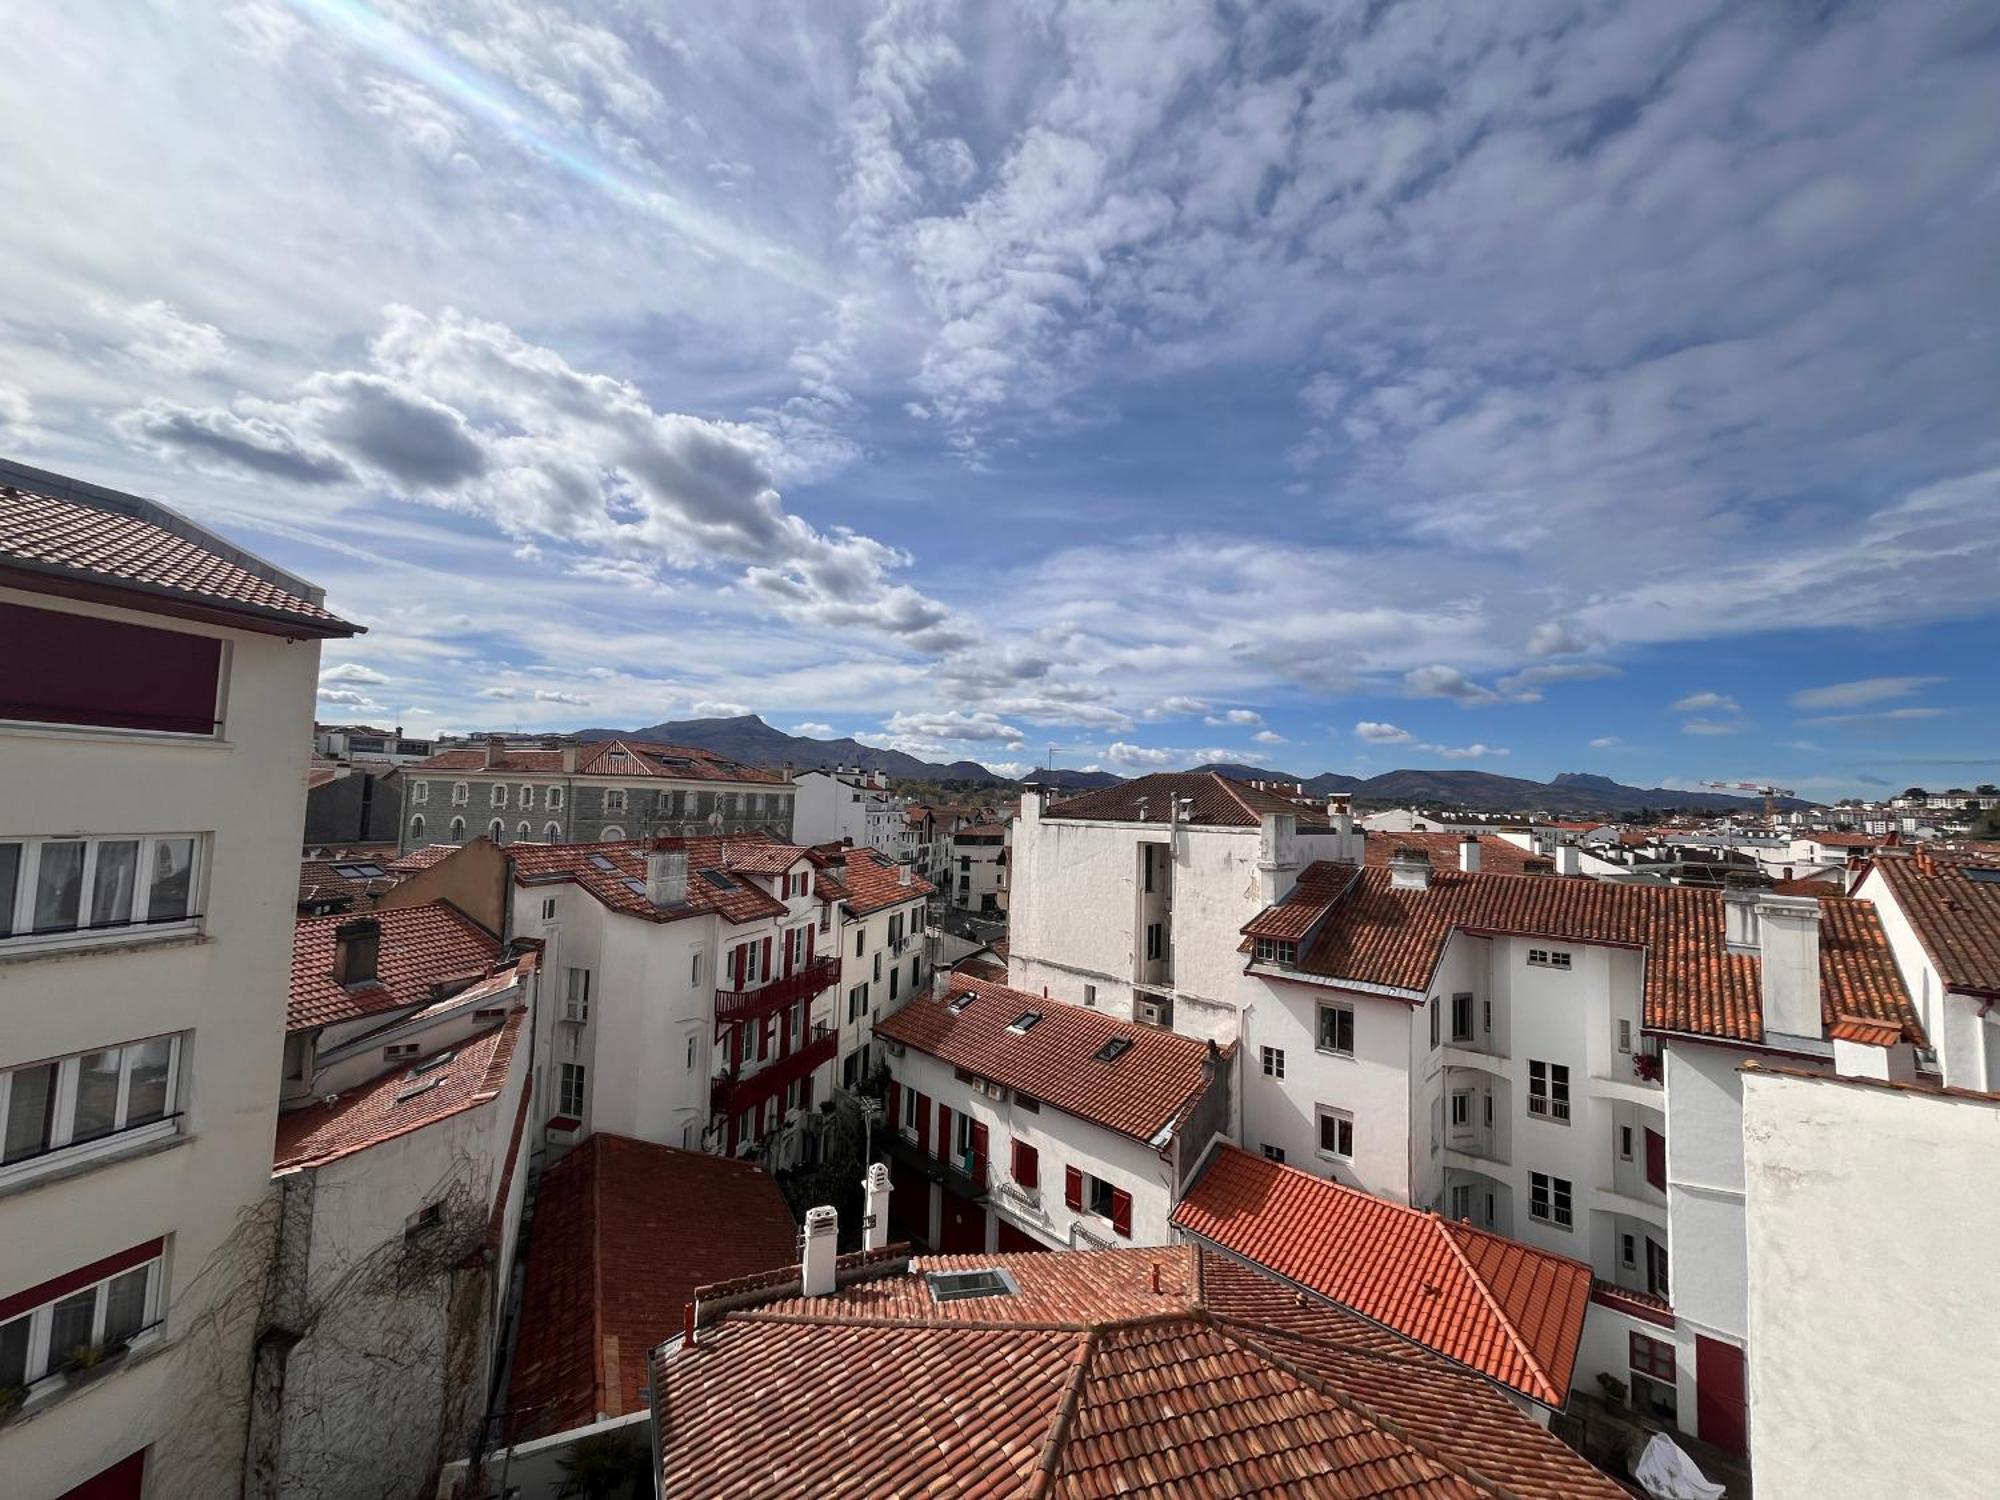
<point x="875" y="1207"/>
<point x="1409" y="869"/>
<point x="822" y="1242"/>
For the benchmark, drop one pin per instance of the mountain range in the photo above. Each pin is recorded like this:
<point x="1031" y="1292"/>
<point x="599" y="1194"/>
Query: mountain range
<point x="746" y="737"/>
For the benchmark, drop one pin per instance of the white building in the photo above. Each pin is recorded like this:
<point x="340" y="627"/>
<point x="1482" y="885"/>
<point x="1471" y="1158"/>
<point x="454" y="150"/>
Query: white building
<point x="158" y="690"/>
<point x="1020" y="1122"/>
<point x="879" y="907"/>
<point x="1942" y="915"/>
<point x="977" y="880"/>
<point x="1871" y="1207"/>
<point x="851" y="806"/>
<point x="365" y="744"/>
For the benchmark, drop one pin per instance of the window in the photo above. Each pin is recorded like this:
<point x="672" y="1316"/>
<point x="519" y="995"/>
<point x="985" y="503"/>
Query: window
<point x="1624" y="1036"/>
<point x="1276" y="951"/>
<point x="1090" y="996"/>
<point x="50" y="1111"/>
<point x="1336" y="1029"/>
<point x="614" y="800"/>
<point x="1624" y="1142"/>
<point x="1113" y="1049"/>
<point x="106" y="1314"/>
<point x="552" y="833"/>
<point x="1098" y="1195"/>
<point x="497" y="831"/>
<point x="1548" y="958"/>
<point x="554" y="799"/>
<point x="612" y="834"/>
<point x="498" y="794"/>
<point x="857" y="1002"/>
<point x="1461" y="1201"/>
<point x="417" y="829"/>
<point x="961" y="1125"/>
<point x="1432" y="1008"/>
<point x="1461" y="1017"/>
<point x="1461" y="1109"/>
<point x="548" y="908"/>
<point x="1025" y="1022"/>
<point x="956" y="1286"/>
<point x="1486" y="1016"/>
<point x="1274" y="1153"/>
<point x="1628" y="1252"/>
<point x="570" y="1093"/>
<point x="1336" y="1133"/>
<point x="524" y="833"/>
<point x="860" y="939"/>
<point x="1152" y="852"/>
<point x="1549" y="1200"/>
<point x="694" y="969"/>
<point x="1548" y="1090"/>
<point x="576" y="995"/>
<point x="400" y="1051"/>
<point x="53" y="888"/>
<point x="878" y="966"/>
<point x="1274" y="1062"/>
<point x="420" y="793"/>
<point x="912" y="1105"/>
<point x="461" y="794"/>
<point x="524" y="798"/>
<point x="458" y="830"/>
<point x="73" y="669"/>
<point x="1653" y="1377"/>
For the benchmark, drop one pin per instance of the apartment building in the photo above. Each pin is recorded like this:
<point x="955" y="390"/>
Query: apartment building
<point x="852" y="806"/>
<point x="691" y="991"/>
<point x="1941" y="913"/>
<point x="1018" y="1122"/>
<point x="155" y="705"/>
<point x="978" y="876"/>
<point x="366" y="744"/>
<point x="878" y="907"/>
<point x="608" y="791"/>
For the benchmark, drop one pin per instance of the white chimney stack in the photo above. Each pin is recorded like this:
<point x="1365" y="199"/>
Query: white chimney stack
<point x="1568" y="860"/>
<point x="875" y="1207"/>
<point x="666" y="876"/>
<point x="903" y="873"/>
<point x="1788" y="940"/>
<point x="1468" y="854"/>
<point x="1409" y="870"/>
<point x="816" y="1267"/>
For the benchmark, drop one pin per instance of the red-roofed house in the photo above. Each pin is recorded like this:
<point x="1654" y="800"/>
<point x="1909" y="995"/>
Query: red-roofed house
<point x="878" y="908"/>
<point x="1941" y="914"/>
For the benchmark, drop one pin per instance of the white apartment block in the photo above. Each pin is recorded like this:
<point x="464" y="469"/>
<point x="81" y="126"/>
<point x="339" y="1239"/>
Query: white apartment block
<point x="851" y="806"/>
<point x="884" y="961"/>
<point x="155" y="705"/>
<point x="977" y="878"/>
<point x="1941" y="912"/>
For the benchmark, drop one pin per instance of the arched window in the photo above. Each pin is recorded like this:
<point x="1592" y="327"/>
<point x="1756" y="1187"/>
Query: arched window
<point x="497" y="831"/>
<point x="524" y="833"/>
<point x="611" y="835"/>
<point x="458" y="830"/>
<point x="553" y="833"/>
<point x="417" y="829"/>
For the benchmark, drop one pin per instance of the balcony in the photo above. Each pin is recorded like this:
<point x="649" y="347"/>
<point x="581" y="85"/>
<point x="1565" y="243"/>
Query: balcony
<point x="730" y="1097"/>
<point x="768" y="999"/>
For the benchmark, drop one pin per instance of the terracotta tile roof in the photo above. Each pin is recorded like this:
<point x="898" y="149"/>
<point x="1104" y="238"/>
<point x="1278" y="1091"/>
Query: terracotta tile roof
<point x="391" y="1105"/>
<point x="1954" y="909"/>
<point x="1828" y="882"/>
<point x="732" y="896"/>
<point x="1147" y="1089"/>
<point x="624" y="1231"/>
<point x="1497" y="1306"/>
<point x="1844" y="840"/>
<point x="423" y="858"/>
<point x="981" y="831"/>
<point x="420" y="948"/>
<point x="624" y="760"/>
<point x="1496" y="855"/>
<point x="1862" y="997"/>
<point x="1085" y="1383"/>
<point x="65" y="539"/>
<point x="872" y="881"/>
<point x="981" y="968"/>
<point x="1217" y="801"/>
<point x="322" y="880"/>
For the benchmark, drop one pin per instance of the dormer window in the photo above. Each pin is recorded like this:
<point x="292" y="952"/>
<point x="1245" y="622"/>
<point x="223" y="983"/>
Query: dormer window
<point x="1277" y="951"/>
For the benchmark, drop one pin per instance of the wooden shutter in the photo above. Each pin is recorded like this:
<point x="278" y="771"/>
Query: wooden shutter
<point x="923" y="1124"/>
<point x="736" y="967"/>
<point x="895" y="1106"/>
<point x="1073" y="1188"/>
<point x="1027" y="1165"/>
<point x="789" y="941"/>
<point x="944" y="1131"/>
<point x="1121" y="1213"/>
<point x="809" y="946"/>
<point x="765" y="968"/>
<point x="1656" y="1159"/>
<point x="979" y="1139"/>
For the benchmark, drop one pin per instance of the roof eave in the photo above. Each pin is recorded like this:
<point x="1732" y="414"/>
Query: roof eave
<point x="92" y="588"/>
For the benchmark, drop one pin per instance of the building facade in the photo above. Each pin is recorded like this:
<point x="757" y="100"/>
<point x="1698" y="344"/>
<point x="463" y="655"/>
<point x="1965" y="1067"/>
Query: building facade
<point x="851" y="806"/>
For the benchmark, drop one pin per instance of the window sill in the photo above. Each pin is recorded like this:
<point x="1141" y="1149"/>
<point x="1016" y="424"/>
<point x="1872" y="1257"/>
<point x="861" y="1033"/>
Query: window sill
<point x="88" y="734"/>
<point x="1334" y="1052"/>
<point x="75" y="1161"/>
<point x="55" y="1390"/>
<point x="119" y="940"/>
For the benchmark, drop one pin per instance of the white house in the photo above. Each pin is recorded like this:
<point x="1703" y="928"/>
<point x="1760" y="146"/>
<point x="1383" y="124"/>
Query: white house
<point x="851" y="806"/>
<point x="1022" y="1122"/>
<point x="157" y="693"/>
<point x="879" y="905"/>
<point x="1941" y="913"/>
<point x="977" y="880"/>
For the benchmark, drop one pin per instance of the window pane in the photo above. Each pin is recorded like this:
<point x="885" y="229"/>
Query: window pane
<point x="30" y="1111"/>
<point x="173" y="879"/>
<point x="125" y="1310"/>
<point x="59" y="885"/>
<point x="10" y="883"/>
<point x="96" y="1094"/>
<point x="70" y="1329"/>
<point x="146" y="1099"/>
<point x="112" y="885"/>
<point x="14" y="1353"/>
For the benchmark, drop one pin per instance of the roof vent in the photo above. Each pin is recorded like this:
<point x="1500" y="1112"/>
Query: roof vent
<point x="1114" y="1049"/>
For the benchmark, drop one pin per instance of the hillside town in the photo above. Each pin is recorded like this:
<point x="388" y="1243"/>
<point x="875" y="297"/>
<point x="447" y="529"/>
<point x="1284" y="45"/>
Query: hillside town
<point x="399" y="1115"/>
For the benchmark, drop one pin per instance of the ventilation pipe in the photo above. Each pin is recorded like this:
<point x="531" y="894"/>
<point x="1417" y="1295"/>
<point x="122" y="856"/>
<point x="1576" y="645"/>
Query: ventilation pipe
<point x="875" y="1207"/>
<point x="822" y="1243"/>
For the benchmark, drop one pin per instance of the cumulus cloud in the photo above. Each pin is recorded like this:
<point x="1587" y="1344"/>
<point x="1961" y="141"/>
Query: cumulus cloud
<point x="1863" y="690"/>
<point x="1375" y="732"/>
<point x="1144" y="757"/>
<point x="1557" y="638"/>
<point x="352" y="671"/>
<point x="347" y="697"/>
<point x="169" y="342"/>
<point x="553" y="695"/>
<point x="1606" y="742"/>
<point x="1446" y="682"/>
<point x="1181" y="704"/>
<point x="709" y="708"/>
<point x="1243" y="716"/>
<point x="813" y="729"/>
<point x="1710" y="726"/>
<point x="1705" y="702"/>
<point x="954" y="726"/>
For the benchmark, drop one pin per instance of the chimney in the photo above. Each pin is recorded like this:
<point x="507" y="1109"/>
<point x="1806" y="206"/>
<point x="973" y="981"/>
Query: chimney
<point x="1788" y="939"/>
<point x="569" y="760"/>
<point x="1739" y="919"/>
<point x="1277" y="855"/>
<point x="496" y="746"/>
<point x="357" y="948"/>
<point x="875" y="1207"/>
<point x="1409" y="870"/>
<point x="903" y="873"/>
<point x="1468" y="854"/>
<point x="822" y="1243"/>
<point x="1568" y="860"/>
<point x="666" y="877"/>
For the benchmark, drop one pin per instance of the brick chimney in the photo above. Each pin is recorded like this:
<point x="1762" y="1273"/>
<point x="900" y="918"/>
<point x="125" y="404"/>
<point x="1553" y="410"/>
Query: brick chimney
<point x="875" y="1207"/>
<point x="1469" y="854"/>
<point x="357" y="947"/>
<point x="822" y="1244"/>
<point x="496" y="747"/>
<point x="1409" y="869"/>
<point x="666" y="876"/>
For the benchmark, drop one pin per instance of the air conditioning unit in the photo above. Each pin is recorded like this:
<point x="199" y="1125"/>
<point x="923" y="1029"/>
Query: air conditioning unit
<point x="1156" y="1013"/>
<point x="565" y="1132"/>
<point x="992" y="1090"/>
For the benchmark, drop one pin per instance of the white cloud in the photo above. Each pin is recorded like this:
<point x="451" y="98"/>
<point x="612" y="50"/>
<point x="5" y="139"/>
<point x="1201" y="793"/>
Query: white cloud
<point x="1557" y="638"/>
<point x="1525" y="686"/>
<point x="813" y="729"/>
<point x="1180" y="704"/>
<point x="1710" y="726"/>
<point x="711" y="708"/>
<point x="352" y="671"/>
<point x="347" y="698"/>
<point x="1121" y="754"/>
<point x="955" y="727"/>
<point x="499" y="694"/>
<point x="551" y="695"/>
<point x="1268" y="737"/>
<point x="1862" y="691"/>
<point x="1886" y="716"/>
<point x="1243" y="716"/>
<point x="1464" y="752"/>
<point x="167" y="341"/>
<point x="1705" y="702"/>
<point x="1446" y="682"/>
<point x="1376" y="732"/>
<point x="1606" y="742"/>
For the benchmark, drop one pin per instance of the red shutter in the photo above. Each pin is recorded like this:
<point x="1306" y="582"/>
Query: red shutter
<point x="1073" y="1188"/>
<point x="806" y="1092"/>
<point x="944" y="1131"/>
<point x="736" y="967"/>
<point x="765" y="967"/>
<point x="1027" y="1165"/>
<point x="979" y="1153"/>
<point x="736" y="1047"/>
<point x="895" y="1106"/>
<point x="809" y="946"/>
<point x="1656" y="1159"/>
<point x="1121" y="1213"/>
<point x="923" y="1124"/>
<point x="788" y="955"/>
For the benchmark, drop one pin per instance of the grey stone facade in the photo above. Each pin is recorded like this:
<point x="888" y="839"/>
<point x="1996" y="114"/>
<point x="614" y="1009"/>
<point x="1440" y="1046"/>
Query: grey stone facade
<point x="588" y="808"/>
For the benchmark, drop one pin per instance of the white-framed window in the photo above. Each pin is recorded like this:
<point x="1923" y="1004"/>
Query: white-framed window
<point x="552" y="833"/>
<point x="105" y="1315"/>
<point x="1461" y="1017"/>
<point x="524" y="797"/>
<point x="56" y="892"/>
<point x="497" y="831"/>
<point x="1461" y="1109"/>
<point x="1276" y="951"/>
<point x="614" y="800"/>
<point x="576" y="996"/>
<point x="548" y="908"/>
<point x="857" y="1002"/>
<point x="1274" y="1061"/>
<point x="1548" y="1090"/>
<point x="1336" y="1030"/>
<point x="1275" y="1153"/>
<point x="569" y="1090"/>
<point x="691" y="1051"/>
<point x="1549" y="1200"/>
<point x="694" y="968"/>
<point x="611" y="835"/>
<point x="1336" y="1132"/>
<point x="524" y="833"/>
<point x="417" y="829"/>
<point x="1625" y="1143"/>
<point x="499" y="794"/>
<point x="68" y="1109"/>
<point x="910" y="1106"/>
<point x="461" y="793"/>
<point x="420" y="793"/>
<point x="1628" y="1251"/>
<point x="554" y="799"/>
<point x="1624" y="1035"/>
<point x="1090" y="996"/>
<point x="458" y="830"/>
<point x="1461" y="1202"/>
<point x="1548" y="958"/>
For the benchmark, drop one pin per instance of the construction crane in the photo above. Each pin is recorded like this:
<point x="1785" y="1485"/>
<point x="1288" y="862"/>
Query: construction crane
<point x="1770" y="794"/>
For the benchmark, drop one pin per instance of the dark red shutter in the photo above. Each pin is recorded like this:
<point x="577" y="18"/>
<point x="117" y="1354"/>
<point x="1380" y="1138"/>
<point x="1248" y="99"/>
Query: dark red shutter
<point x="736" y="1047"/>
<point x="736" y="967"/>
<point x="923" y="1124"/>
<point x="944" y="1131"/>
<point x="1073" y="1187"/>
<point x="788" y="955"/>
<point x="806" y="1092"/>
<point x="1121" y="1213"/>
<point x="1027" y="1165"/>
<point x="765" y="967"/>
<point x="1656" y="1159"/>
<point x="809" y="947"/>
<point x="979" y="1153"/>
<point x="72" y="669"/>
<point x="895" y="1105"/>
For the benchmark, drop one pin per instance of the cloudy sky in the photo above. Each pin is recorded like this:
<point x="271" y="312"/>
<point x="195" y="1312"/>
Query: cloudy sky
<point x="1535" y="387"/>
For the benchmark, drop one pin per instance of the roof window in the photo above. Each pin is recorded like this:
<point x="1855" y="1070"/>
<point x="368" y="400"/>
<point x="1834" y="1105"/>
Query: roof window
<point x="419" y="1088"/>
<point x="431" y="1062"/>
<point x="600" y="862"/>
<point x="358" y="872"/>
<point x="719" y="880"/>
<point x="957" y="1286"/>
<point x="1984" y="874"/>
<point x="959" y="1003"/>
<point x="1024" y="1022"/>
<point x="1114" y="1049"/>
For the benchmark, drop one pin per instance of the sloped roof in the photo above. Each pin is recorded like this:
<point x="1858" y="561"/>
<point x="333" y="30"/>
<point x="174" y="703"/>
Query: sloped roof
<point x="1862" y="997"/>
<point x="423" y="857"/>
<point x="1216" y="800"/>
<point x="473" y="1074"/>
<point x="624" y="1232"/>
<point x="1085" y="1382"/>
<point x="420" y="948"/>
<point x="871" y="881"/>
<point x="1145" y="1090"/>
<point x="622" y="887"/>
<point x="1497" y="856"/>
<point x="1505" y="1309"/>
<point x="1953" y="904"/>
<point x="624" y="760"/>
<point x="324" y="880"/>
<point x="126" y="543"/>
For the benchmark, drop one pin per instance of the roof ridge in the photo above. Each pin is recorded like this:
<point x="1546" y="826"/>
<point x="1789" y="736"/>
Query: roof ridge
<point x="1506" y="1319"/>
<point x="1058" y="1436"/>
<point x="853" y="1318"/>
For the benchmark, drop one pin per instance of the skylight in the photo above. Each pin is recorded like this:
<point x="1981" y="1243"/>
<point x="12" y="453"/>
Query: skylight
<point x="957" y="1286"/>
<point x="358" y="872"/>
<point x="1114" y="1049"/>
<point x="1984" y="874"/>
<point x="958" y="1006"/>
<point x="719" y="880"/>
<point x="433" y="1062"/>
<point x="420" y="1088"/>
<point x="601" y="862"/>
<point x="1024" y="1022"/>
<point x="638" y="886"/>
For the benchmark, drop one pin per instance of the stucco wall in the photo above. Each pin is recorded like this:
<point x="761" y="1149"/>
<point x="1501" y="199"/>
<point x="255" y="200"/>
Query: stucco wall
<point x="1705" y="1186"/>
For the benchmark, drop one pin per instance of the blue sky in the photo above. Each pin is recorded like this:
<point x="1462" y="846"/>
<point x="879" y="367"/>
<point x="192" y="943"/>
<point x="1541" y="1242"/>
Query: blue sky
<point x="1535" y="388"/>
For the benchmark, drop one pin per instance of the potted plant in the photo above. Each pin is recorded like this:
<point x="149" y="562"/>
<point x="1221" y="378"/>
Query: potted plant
<point x="88" y="1361"/>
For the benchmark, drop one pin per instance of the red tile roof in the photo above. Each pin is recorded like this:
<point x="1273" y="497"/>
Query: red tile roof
<point x="1497" y="856"/>
<point x="391" y="1105"/>
<point x="148" y="550"/>
<point x="624" y="1232"/>
<point x="1954" y="909"/>
<point x="871" y="882"/>
<point x="322" y="880"/>
<point x="622" y="759"/>
<point x="420" y="948"/>
<point x="1085" y="1382"/>
<point x="423" y="858"/>
<point x="1844" y="840"/>
<point x="622" y="887"/>
<point x="1494" y="1305"/>
<point x="1216" y="801"/>
<point x="1862" y="997"/>
<point x="1149" y="1088"/>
